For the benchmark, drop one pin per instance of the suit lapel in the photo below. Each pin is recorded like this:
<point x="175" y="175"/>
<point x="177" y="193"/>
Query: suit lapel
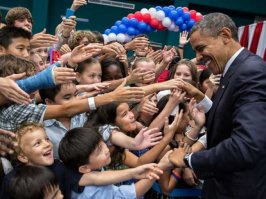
<point x="222" y="87"/>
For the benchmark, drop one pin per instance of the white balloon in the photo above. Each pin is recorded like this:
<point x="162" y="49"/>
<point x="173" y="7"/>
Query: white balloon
<point x="172" y="26"/>
<point x="152" y="11"/>
<point x="160" y="15"/>
<point x="198" y="13"/>
<point x="121" y="37"/>
<point x="144" y="11"/>
<point x="166" y="22"/>
<point x="176" y="29"/>
<point x="128" y="38"/>
<point x="112" y="37"/>
<point x="105" y="38"/>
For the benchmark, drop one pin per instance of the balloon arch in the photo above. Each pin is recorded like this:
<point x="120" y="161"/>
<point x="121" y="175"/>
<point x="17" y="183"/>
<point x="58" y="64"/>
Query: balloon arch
<point x="150" y="20"/>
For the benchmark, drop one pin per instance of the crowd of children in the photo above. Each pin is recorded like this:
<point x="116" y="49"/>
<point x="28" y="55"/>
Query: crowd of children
<point x="96" y="123"/>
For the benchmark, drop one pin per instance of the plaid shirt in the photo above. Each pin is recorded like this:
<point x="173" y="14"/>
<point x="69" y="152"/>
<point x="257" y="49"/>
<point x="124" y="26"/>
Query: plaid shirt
<point x="13" y="115"/>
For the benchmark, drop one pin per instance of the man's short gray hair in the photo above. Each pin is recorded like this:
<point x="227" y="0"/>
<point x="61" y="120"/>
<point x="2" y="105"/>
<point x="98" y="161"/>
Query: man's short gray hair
<point x="211" y="24"/>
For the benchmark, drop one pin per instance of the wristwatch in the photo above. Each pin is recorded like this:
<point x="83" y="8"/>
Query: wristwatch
<point x="186" y="158"/>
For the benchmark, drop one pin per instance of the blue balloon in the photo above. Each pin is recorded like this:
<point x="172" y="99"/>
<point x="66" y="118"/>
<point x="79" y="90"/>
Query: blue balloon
<point x="122" y="28"/>
<point x="190" y="23"/>
<point x="180" y="12"/>
<point x="142" y="26"/>
<point x="179" y="21"/>
<point x="149" y="28"/>
<point x="114" y="29"/>
<point x="158" y="8"/>
<point x="166" y="11"/>
<point x="107" y="31"/>
<point x="117" y="23"/>
<point x="173" y="15"/>
<point x="131" y="31"/>
<point x="133" y="22"/>
<point x="125" y="21"/>
<point x="171" y="7"/>
<point x="186" y="16"/>
<point x="183" y="27"/>
<point x="137" y="32"/>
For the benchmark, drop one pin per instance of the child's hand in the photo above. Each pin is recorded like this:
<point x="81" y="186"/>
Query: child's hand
<point x="196" y="113"/>
<point x="189" y="176"/>
<point x="147" y="171"/>
<point x="138" y="42"/>
<point x="176" y="157"/>
<point x="77" y="3"/>
<point x="140" y="76"/>
<point x="147" y="138"/>
<point x="165" y="163"/>
<point x="183" y="38"/>
<point x="171" y="129"/>
<point x="7" y="145"/>
<point x="64" y="49"/>
<point x="176" y="96"/>
<point x="147" y="106"/>
<point x="63" y="75"/>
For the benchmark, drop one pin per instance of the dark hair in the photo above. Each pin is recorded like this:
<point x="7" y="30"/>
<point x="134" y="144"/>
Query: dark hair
<point x="18" y="13"/>
<point x="10" y="64"/>
<point x="31" y="182"/>
<point x="8" y="33"/>
<point x="98" y="36"/>
<point x="211" y="24"/>
<point x="192" y="67"/>
<point x="82" y="65"/>
<point x="108" y="62"/>
<point x="204" y="74"/>
<point x="77" y="146"/>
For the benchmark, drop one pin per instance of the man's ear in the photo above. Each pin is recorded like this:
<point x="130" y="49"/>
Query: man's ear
<point x="2" y="50"/>
<point x="226" y="34"/>
<point x="22" y="158"/>
<point x="84" y="169"/>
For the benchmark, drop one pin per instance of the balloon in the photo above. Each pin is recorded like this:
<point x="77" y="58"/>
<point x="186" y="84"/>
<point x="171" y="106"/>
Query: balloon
<point x="172" y="26"/>
<point x="112" y="37"/>
<point x="180" y="12"/>
<point x="166" y="22"/>
<point x="154" y="23"/>
<point x="158" y="8"/>
<point x="160" y="15"/>
<point x="179" y="21"/>
<point x="133" y="22"/>
<point x="128" y="38"/>
<point x="147" y="17"/>
<point x="185" y="9"/>
<point x="107" y="31"/>
<point x="193" y="14"/>
<point x="152" y="11"/>
<point x="125" y="21"/>
<point x="114" y="29"/>
<point x="142" y="26"/>
<point x="138" y="16"/>
<point x="144" y="11"/>
<point x="149" y="29"/>
<point x="186" y="16"/>
<point x="105" y="39"/>
<point x="121" y="37"/>
<point x="137" y="32"/>
<point x="122" y="28"/>
<point x="117" y="23"/>
<point x="190" y="23"/>
<point x="176" y="29"/>
<point x="173" y="15"/>
<point x="161" y="27"/>
<point x="166" y="10"/>
<point x="130" y="15"/>
<point x="131" y="31"/>
<point x="198" y="16"/>
<point x="183" y="27"/>
<point x="171" y="7"/>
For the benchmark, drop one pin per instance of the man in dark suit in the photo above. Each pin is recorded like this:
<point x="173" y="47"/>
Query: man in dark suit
<point x="234" y="164"/>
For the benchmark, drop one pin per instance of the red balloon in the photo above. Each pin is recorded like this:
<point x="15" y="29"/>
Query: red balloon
<point x="154" y="23"/>
<point x="193" y="14"/>
<point x="185" y="9"/>
<point x="130" y="16"/>
<point x="198" y="17"/>
<point x="161" y="27"/>
<point x="138" y="16"/>
<point x="147" y="18"/>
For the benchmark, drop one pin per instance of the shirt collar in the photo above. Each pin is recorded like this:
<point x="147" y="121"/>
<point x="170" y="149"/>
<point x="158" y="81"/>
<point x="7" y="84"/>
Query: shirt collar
<point x="230" y="61"/>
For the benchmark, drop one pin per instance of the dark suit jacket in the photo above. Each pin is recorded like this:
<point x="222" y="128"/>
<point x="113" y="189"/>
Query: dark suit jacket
<point x="234" y="166"/>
